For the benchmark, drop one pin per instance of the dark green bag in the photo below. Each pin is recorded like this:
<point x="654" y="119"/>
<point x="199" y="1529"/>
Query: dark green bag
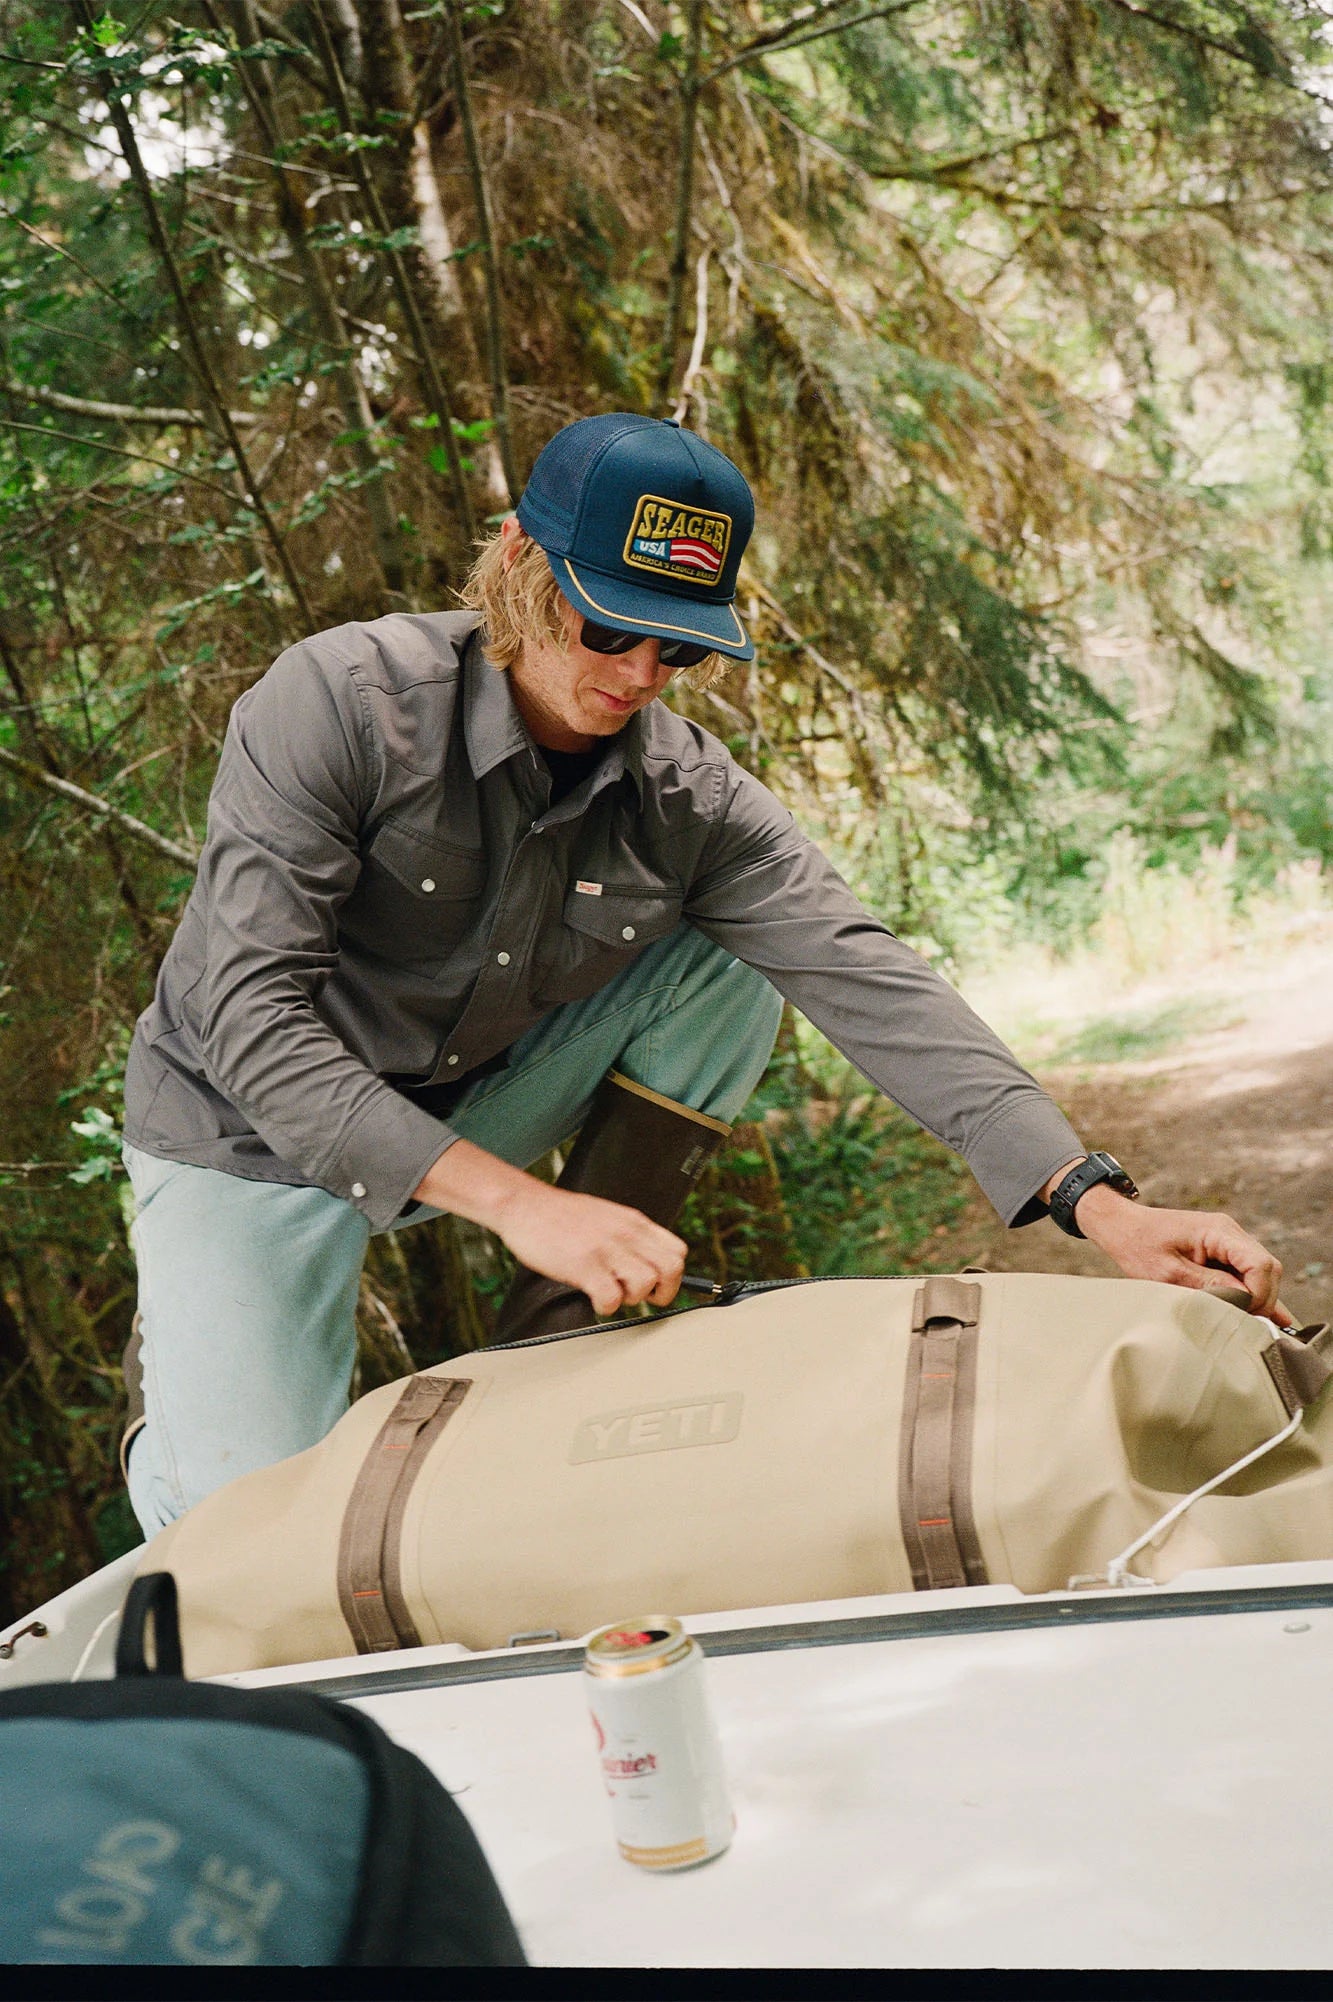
<point x="151" y="1820"/>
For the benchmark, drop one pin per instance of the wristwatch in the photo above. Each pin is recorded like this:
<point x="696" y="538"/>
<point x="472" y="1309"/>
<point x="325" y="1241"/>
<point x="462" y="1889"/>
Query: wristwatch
<point x="1097" y="1168"/>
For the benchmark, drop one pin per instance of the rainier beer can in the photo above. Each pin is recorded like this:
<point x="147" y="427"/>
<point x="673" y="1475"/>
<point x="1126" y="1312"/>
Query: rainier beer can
<point x="657" y="1742"/>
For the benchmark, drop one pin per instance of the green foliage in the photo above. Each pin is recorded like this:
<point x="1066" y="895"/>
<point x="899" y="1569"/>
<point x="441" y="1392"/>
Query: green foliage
<point x="101" y="1137"/>
<point x="115" y="1527"/>
<point x="865" y="1189"/>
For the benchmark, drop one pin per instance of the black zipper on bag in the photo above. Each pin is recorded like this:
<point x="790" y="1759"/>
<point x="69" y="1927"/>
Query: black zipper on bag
<point x="732" y="1291"/>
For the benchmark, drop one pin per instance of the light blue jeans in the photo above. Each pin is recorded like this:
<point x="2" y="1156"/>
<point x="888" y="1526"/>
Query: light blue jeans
<point x="248" y="1290"/>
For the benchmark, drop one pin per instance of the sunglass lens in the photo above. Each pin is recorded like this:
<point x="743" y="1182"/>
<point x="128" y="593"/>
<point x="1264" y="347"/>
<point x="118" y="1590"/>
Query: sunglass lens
<point x="682" y="653"/>
<point x="606" y="639"/>
<point x="671" y="653"/>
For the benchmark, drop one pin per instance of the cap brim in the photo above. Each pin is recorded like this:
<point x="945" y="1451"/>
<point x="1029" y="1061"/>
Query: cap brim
<point x="655" y="614"/>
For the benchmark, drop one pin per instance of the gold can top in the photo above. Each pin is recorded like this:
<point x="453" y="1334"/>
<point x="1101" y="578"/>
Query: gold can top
<point x="631" y="1647"/>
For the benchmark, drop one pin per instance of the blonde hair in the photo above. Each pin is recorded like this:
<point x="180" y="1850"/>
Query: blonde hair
<point x="522" y="602"/>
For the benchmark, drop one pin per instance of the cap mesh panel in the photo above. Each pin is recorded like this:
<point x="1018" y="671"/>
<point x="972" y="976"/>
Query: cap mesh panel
<point x="558" y="476"/>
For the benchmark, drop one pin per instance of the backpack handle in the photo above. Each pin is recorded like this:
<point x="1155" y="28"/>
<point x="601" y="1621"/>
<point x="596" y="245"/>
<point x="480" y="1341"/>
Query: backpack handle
<point x="151" y="1602"/>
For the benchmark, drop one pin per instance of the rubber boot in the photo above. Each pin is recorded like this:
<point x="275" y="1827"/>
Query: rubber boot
<point x="635" y="1147"/>
<point x="132" y="1367"/>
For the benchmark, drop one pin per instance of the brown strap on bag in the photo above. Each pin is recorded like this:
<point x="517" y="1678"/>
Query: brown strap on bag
<point x="1299" y="1365"/>
<point x="935" y="1450"/>
<point x="370" y="1591"/>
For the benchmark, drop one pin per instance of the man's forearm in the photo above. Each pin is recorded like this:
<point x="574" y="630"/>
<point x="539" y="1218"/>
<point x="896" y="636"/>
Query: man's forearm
<point x="469" y="1182"/>
<point x="613" y="1253"/>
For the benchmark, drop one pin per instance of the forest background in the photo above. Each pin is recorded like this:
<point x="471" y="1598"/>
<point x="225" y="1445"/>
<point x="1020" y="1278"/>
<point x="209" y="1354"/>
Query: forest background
<point x="1016" y="317"/>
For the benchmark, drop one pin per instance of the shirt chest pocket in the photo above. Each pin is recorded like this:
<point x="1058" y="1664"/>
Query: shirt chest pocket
<point x="414" y="899"/>
<point x="601" y="933"/>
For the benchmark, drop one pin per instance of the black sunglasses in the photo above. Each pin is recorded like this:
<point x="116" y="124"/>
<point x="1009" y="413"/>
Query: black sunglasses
<point x="671" y="653"/>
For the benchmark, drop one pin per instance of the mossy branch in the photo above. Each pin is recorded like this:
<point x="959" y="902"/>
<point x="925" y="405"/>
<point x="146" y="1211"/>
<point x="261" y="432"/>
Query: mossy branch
<point x="91" y="802"/>
<point x="807" y="26"/>
<point x="117" y="413"/>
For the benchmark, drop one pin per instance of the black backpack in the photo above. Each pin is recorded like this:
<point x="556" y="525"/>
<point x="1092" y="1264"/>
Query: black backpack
<point x="151" y="1820"/>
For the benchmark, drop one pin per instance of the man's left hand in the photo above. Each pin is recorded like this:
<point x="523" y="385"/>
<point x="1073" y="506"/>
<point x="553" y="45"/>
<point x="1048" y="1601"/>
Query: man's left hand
<point x="1195" y="1248"/>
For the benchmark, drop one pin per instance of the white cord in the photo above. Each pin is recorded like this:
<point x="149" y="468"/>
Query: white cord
<point x="98" y="1631"/>
<point x="1116" y="1572"/>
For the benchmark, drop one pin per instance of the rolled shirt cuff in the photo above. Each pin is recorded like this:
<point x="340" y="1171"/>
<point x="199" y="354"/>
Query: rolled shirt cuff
<point x="1018" y="1153"/>
<point x="385" y="1156"/>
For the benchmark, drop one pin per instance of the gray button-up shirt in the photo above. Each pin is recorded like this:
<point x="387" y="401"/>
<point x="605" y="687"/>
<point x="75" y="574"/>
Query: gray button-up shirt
<point x="385" y="902"/>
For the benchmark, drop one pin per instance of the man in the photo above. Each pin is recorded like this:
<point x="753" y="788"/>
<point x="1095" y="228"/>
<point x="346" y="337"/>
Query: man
<point x="468" y="887"/>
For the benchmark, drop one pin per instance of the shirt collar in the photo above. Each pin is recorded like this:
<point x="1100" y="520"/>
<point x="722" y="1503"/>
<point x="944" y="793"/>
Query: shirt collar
<point x="492" y="727"/>
<point x="494" y="730"/>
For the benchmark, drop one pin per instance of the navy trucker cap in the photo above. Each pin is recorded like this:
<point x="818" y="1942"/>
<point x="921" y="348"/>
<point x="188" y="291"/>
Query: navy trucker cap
<point x="644" y="526"/>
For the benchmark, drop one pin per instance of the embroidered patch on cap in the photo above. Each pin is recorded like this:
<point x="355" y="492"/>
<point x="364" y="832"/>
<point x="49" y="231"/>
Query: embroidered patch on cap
<point x="686" y="543"/>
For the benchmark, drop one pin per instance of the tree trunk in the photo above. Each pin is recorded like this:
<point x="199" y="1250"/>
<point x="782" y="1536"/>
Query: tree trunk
<point x="324" y="308"/>
<point x="410" y="192"/>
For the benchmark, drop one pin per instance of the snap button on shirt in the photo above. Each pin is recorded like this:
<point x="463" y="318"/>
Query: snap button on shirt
<point x="628" y="932"/>
<point x="502" y="958"/>
<point x="358" y="1190"/>
<point x="451" y="1060"/>
<point x="428" y="884"/>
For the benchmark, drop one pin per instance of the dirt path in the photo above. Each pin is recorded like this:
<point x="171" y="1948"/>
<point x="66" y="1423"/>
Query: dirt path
<point x="1237" y="1118"/>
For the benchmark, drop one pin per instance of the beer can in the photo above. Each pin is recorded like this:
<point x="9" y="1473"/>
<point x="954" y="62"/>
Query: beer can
<point x="661" y="1761"/>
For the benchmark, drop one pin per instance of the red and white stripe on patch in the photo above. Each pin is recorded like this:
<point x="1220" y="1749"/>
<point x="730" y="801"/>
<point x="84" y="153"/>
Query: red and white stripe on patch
<point x="696" y="555"/>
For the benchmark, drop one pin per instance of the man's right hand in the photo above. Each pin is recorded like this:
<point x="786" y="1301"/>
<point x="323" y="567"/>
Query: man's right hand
<point x="614" y="1254"/>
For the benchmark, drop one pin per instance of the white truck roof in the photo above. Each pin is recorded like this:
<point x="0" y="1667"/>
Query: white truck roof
<point x="942" y="1779"/>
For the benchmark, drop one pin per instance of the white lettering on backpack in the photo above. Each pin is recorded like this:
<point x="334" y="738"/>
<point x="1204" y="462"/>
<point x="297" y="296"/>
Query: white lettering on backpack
<point x="103" y="1914"/>
<point x="224" y="1918"/>
<point x="224" y="1921"/>
<point x="710" y="1420"/>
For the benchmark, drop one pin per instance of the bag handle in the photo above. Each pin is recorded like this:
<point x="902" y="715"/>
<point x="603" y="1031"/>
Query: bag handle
<point x="935" y="1513"/>
<point x="1297" y="1359"/>
<point x="371" y="1597"/>
<point x="152" y="1602"/>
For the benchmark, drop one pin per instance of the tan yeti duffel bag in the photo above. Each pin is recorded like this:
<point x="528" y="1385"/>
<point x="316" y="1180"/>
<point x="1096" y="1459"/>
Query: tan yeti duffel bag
<point x="820" y="1441"/>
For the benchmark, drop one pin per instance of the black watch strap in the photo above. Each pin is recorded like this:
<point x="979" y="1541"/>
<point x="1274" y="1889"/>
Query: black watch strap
<point x="1097" y="1168"/>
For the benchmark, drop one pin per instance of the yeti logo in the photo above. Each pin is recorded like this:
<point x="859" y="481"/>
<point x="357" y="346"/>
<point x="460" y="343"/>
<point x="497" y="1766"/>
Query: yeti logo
<point x="659" y="1428"/>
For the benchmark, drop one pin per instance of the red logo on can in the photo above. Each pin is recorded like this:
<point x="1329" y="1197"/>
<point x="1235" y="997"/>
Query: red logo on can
<point x="630" y="1769"/>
